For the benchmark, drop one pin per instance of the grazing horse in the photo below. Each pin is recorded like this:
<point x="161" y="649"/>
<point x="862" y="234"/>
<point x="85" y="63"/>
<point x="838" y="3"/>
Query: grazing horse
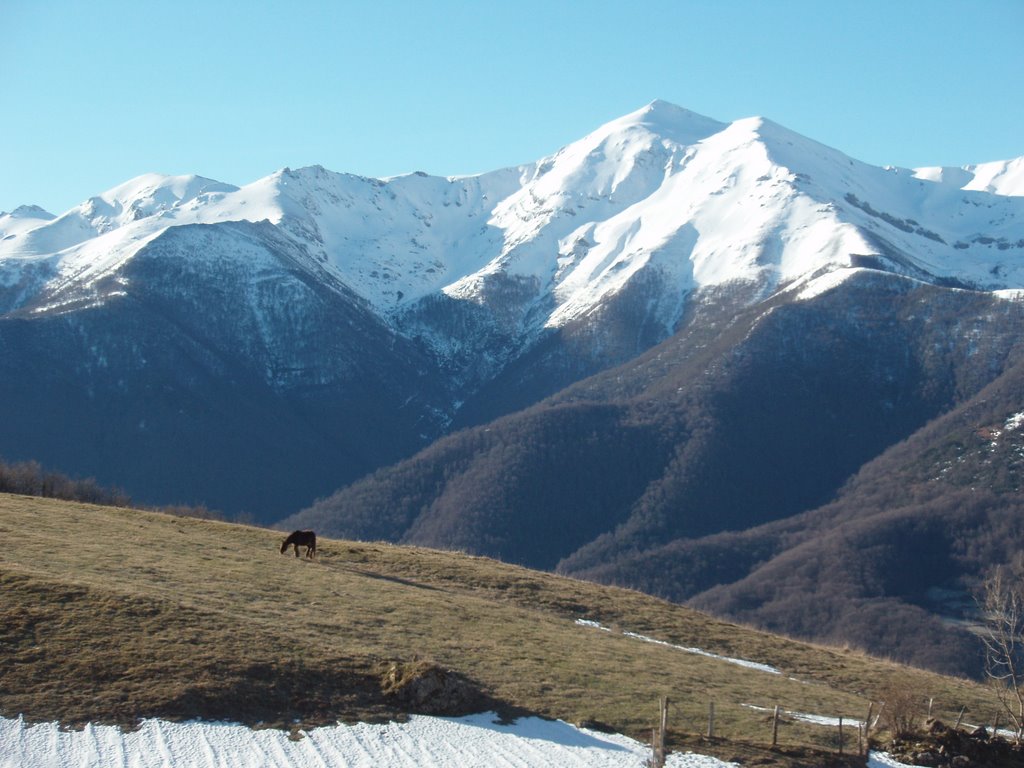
<point x="298" y="539"/>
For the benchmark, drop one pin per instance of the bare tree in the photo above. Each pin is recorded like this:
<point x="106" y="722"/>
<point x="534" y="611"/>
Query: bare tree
<point x="1003" y="635"/>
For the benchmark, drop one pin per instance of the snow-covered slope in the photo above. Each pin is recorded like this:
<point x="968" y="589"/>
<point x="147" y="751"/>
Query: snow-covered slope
<point x="22" y="219"/>
<point x="1002" y="177"/>
<point x="422" y="742"/>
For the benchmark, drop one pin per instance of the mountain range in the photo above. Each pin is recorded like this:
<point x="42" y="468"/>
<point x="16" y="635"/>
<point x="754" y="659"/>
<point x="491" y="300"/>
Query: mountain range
<point x="719" y="362"/>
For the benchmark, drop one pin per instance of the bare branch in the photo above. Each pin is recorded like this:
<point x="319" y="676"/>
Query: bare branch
<point x="1003" y="638"/>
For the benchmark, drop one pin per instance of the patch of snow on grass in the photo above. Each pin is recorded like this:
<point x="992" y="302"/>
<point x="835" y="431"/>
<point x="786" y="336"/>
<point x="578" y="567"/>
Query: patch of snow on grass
<point x="885" y="760"/>
<point x="698" y="651"/>
<point x="875" y="759"/>
<point x="422" y="742"/>
<point x="739" y="662"/>
<point x="803" y="717"/>
<point x="592" y="625"/>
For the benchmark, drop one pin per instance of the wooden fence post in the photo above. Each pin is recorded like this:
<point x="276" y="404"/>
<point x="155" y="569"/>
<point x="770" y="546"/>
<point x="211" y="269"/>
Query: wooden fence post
<point x="711" y="720"/>
<point x="658" y="737"/>
<point x="878" y="717"/>
<point x="775" y="726"/>
<point x="662" y="731"/>
<point x="840" y="735"/>
<point x="960" y="717"/>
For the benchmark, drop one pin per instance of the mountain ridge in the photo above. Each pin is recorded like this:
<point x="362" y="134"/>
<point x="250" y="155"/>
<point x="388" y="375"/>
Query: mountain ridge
<point x="602" y="164"/>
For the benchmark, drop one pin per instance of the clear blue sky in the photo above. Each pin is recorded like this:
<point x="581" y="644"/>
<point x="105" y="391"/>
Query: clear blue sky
<point x="94" y="93"/>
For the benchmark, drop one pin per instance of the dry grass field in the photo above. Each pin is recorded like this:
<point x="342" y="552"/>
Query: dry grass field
<point x="110" y="615"/>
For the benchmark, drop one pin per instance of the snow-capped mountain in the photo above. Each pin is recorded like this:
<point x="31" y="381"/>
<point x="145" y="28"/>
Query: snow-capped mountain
<point x="457" y="299"/>
<point x="661" y="190"/>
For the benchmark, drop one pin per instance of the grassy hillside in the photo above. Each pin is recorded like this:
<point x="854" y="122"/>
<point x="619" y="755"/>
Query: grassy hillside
<point x="114" y="614"/>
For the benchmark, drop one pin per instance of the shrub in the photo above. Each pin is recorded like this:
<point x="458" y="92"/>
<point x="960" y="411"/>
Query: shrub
<point x="904" y="709"/>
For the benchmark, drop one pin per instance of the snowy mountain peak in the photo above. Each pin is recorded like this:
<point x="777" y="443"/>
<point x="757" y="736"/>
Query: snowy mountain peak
<point x="147" y="195"/>
<point x="671" y="122"/>
<point x="22" y="219"/>
<point x="29" y="212"/>
<point x="656" y="123"/>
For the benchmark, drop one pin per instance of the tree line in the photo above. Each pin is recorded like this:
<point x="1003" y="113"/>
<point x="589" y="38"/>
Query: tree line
<point x="30" y="478"/>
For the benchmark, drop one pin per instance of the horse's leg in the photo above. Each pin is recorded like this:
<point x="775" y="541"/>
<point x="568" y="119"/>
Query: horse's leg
<point x="296" y="549"/>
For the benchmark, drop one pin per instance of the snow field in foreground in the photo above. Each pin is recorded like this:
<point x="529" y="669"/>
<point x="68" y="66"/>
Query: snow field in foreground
<point x="476" y="741"/>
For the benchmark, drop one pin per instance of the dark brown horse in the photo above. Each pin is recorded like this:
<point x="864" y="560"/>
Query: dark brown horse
<point x="298" y="539"/>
